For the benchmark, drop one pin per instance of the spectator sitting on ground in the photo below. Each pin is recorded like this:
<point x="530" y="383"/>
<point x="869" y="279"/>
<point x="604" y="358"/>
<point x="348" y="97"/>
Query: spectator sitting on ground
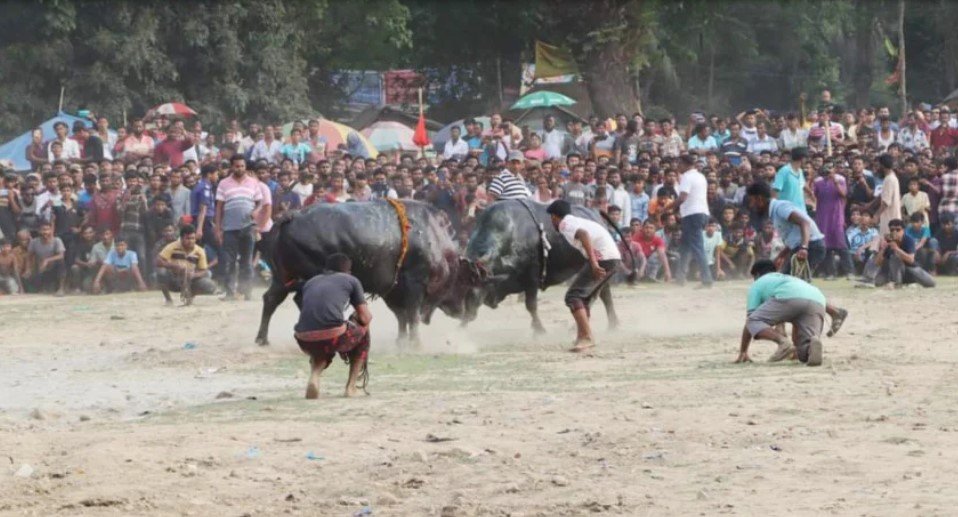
<point x="896" y="260"/>
<point x="947" y="255"/>
<point x="180" y="258"/>
<point x="925" y="246"/>
<point x="737" y="254"/>
<point x="653" y="248"/>
<point x="120" y="270"/>
<point x="9" y="270"/>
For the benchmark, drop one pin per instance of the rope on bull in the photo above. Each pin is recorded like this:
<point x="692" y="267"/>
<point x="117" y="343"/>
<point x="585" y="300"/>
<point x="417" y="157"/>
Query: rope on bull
<point x="404" y="228"/>
<point x="800" y="269"/>
<point x="544" y="245"/>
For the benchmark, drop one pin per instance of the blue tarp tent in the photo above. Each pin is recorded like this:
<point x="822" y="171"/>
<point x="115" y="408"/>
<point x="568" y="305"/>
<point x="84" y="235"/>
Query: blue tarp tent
<point x="15" y="150"/>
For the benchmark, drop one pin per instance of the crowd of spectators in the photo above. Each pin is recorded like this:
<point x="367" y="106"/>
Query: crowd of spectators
<point x="141" y="207"/>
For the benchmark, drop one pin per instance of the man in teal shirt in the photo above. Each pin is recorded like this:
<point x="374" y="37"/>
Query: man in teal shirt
<point x="789" y="181"/>
<point x="774" y="299"/>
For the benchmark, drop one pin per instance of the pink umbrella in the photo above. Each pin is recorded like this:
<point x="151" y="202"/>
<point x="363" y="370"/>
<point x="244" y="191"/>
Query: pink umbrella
<point x="170" y="109"/>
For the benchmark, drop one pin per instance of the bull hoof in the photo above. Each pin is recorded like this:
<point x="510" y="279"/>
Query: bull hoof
<point x="538" y="331"/>
<point x="262" y="341"/>
<point x="613" y="324"/>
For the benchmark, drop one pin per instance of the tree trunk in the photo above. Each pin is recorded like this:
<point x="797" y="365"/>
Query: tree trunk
<point x="902" y="85"/>
<point x="864" y="54"/>
<point x="606" y="72"/>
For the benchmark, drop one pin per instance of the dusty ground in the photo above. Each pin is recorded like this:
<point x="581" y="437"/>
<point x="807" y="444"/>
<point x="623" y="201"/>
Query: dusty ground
<point x="113" y="416"/>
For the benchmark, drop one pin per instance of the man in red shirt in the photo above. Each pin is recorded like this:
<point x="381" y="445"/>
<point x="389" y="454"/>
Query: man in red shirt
<point x="171" y="150"/>
<point x="944" y="135"/>
<point x="104" y="213"/>
<point x="653" y="248"/>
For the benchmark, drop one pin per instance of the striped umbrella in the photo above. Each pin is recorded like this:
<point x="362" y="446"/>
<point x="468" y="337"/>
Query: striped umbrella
<point x="170" y="109"/>
<point x="336" y="134"/>
<point x="390" y="136"/>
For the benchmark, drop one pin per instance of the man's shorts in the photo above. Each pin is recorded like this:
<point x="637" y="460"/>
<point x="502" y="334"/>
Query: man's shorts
<point x="585" y="286"/>
<point x="351" y="345"/>
<point x="807" y="316"/>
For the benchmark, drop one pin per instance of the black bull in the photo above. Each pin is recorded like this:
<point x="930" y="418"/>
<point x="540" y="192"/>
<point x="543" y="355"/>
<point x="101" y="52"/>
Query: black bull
<point x="369" y="234"/>
<point x="506" y="252"/>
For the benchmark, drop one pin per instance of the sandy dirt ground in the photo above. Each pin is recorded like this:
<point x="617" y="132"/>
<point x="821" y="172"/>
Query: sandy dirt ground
<point x="119" y="406"/>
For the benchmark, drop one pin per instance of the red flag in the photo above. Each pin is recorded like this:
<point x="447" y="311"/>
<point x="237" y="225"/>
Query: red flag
<point x="421" y="137"/>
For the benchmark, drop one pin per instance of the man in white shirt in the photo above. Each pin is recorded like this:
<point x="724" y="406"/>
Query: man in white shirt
<point x="267" y="148"/>
<point x="456" y="147"/>
<point x="694" y="213"/>
<point x="602" y="256"/>
<point x="71" y="148"/>
<point x="793" y="135"/>
<point x="620" y="198"/>
<point x="555" y="142"/>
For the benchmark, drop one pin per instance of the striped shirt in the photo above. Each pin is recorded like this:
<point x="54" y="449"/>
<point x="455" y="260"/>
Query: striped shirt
<point x="508" y="186"/>
<point x="239" y="200"/>
<point x="949" y="194"/>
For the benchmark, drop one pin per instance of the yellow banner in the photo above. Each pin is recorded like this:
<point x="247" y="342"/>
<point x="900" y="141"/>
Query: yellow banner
<point x="552" y="61"/>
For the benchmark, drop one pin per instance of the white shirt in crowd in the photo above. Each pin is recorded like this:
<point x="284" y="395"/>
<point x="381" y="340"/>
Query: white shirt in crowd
<point x="759" y="145"/>
<point x="552" y="142"/>
<point x="602" y="242"/>
<point x="621" y="199"/>
<point x="789" y="139"/>
<point x="456" y="149"/>
<point x="264" y="151"/>
<point x="693" y="183"/>
<point x="71" y="150"/>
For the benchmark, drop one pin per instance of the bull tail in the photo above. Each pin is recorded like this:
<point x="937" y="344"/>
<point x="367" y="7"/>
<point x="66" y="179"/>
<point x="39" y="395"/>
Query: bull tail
<point x="283" y="251"/>
<point x="633" y="276"/>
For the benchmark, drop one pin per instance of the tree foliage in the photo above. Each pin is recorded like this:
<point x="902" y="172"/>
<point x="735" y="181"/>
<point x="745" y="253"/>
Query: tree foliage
<point x="276" y="59"/>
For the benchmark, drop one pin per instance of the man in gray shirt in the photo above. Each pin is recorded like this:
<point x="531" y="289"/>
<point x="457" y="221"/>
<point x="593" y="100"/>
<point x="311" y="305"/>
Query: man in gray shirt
<point x="180" y="195"/>
<point x="46" y="252"/>
<point x="323" y="330"/>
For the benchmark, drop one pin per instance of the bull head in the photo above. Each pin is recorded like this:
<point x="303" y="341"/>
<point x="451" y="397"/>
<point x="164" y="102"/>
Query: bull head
<point x="472" y="274"/>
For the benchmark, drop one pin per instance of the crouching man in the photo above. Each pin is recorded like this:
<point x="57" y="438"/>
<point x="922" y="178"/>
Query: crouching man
<point x="602" y="258"/>
<point x="775" y="298"/>
<point x="323" y="330"/>
<point x="182" y="268"/>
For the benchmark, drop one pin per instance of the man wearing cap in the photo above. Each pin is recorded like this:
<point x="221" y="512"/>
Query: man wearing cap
<point x="694" y="212"/>
<point x="509" y="183"/>
<point x="602" y="255"/>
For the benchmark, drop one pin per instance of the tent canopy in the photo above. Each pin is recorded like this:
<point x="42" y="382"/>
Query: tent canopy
<point x="15" y="150"/>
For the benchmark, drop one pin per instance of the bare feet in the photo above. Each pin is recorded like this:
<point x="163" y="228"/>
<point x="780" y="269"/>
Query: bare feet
<point x="352" y="392"/>
<point x="582" y="345"/>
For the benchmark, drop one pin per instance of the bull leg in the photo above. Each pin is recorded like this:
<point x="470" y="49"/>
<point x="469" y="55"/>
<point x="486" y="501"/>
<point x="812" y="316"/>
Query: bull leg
<point x="532" y="305"/>
<point x="272" y="298"/>
<point x="606" y="296"/>
<point x="316" y="365"/>
<point x="414" y="329"/>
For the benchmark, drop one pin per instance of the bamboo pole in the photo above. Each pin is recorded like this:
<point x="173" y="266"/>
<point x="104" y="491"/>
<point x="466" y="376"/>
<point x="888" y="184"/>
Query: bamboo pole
<point x="902" y="87"/>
